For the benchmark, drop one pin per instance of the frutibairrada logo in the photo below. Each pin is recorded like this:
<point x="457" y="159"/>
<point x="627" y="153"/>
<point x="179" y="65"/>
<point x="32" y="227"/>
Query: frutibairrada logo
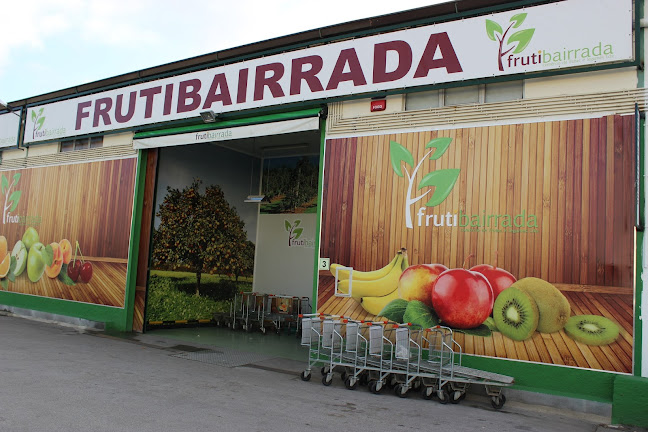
<point x="11" y="198"/>
<point x="443" y="181"/>
<point x="295" y="235"/>
<point x="38" y="131"/>
<point x="511" y="43"/>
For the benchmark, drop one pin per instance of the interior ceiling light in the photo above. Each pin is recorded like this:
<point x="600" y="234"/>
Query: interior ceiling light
<point x="209" y="116"/>
<point x="255" y="199"/>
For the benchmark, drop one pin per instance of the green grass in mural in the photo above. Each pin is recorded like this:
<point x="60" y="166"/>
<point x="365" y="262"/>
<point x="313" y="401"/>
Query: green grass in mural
<point x="191" y="277"/>
<point x="172" y="296"/>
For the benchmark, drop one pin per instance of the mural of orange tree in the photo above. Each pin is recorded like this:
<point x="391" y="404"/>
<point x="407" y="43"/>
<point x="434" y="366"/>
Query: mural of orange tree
<point x="201" y="233"/>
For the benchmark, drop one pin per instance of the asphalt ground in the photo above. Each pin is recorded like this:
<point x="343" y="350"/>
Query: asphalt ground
<point x="65" y="378"/>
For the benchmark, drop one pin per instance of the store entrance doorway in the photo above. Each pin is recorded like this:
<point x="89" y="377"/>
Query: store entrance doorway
<point x="232" y="217"/>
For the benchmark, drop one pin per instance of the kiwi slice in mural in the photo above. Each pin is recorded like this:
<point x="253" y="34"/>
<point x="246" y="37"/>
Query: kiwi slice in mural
<point x="552" y="304"/>
<point x="592" y="329"/>
<point x="515" y="314"/>
<point x="490" y="323"/>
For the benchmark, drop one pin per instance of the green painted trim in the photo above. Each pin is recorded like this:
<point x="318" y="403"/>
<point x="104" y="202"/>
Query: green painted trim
<point x="556" y="380"/>
<point x="638" y="330"/>
<point x="639" y="244"/>
<point x="630" y="401"/>
<point x="111" y="316"/>
<point x="133" y="250"/>
<point x="640" y="235"/>
<point x="291" y="115"/>
<point x="320" y="193"/>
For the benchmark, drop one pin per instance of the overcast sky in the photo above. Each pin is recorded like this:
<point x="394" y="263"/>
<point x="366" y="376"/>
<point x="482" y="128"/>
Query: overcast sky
<point x="49" y="45"/>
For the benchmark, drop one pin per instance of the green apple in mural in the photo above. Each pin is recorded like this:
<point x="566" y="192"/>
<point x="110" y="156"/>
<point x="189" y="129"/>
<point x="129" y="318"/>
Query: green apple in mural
<point x="20" y="253"/>
<point x="39" y="256"/>
<point x="30" y="237"/>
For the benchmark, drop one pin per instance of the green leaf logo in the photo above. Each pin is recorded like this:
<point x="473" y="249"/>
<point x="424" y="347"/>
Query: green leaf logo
<point x="293" y="232"/>
<point x="440" y="145"/>
<point x="523" y="37"/>
<point x="11" y="198"/>
<point x="399" y="154"/>
<point x="38" y="119"/>
<point x="298" y="232"/>
<point x="441" y="182"/>
<point x="515" y="44"/>
<point x="491" y="28"/>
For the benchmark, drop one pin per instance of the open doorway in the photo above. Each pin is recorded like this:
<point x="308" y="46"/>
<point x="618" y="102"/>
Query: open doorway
<point x="231" y="216"/>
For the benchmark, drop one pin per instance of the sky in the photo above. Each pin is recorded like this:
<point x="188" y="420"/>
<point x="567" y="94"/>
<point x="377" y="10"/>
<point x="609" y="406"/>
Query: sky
<point x="48" y="45"/>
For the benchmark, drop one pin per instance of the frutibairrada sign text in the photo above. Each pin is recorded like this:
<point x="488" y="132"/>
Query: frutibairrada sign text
<point x="564" y="34"/>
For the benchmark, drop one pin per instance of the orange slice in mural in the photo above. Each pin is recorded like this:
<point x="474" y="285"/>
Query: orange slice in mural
<point x="4" y="248"/>
<point x="4" y="265"/>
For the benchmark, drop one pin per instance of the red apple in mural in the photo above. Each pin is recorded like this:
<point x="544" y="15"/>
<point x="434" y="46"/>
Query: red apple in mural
<point x="416" y="282"/>
<point x="462" y="298"/>
<point x="499" y="278"/>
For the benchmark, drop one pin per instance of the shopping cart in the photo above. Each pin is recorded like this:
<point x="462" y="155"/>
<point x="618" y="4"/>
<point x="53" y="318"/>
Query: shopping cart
<point x="402" y="356"/>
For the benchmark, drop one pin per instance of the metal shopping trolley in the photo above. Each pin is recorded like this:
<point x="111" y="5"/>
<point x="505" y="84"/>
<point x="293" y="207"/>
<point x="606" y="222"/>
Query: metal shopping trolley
<point x="387" y="354"/>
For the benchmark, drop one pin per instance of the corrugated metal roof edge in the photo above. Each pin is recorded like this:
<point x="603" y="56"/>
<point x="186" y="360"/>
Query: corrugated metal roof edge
<point x="452" y="9"/>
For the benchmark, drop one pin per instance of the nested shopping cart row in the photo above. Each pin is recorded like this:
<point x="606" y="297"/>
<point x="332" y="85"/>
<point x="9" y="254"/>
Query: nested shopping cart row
<point x="253" y="310"/>
<point x="386" y="354"/>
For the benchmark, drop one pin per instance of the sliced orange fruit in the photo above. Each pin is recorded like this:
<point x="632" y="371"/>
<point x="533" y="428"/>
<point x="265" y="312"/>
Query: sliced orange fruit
<point x="4" y="266"/>
<point x="4" y="248"/>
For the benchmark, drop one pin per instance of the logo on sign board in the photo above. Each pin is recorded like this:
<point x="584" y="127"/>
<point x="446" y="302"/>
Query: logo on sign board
<point x="511" y="48"/>
<point x="38" y="127"/>
<point x="295" y="235"/>
<point x="513" y="44"/>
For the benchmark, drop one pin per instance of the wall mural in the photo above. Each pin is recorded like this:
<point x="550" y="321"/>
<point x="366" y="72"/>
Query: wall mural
<point x="65" y="231"/>
<point x="519" y="237"/>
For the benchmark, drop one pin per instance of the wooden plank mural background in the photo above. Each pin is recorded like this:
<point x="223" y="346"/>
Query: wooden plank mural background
<point x="88" y="202"/>
<point x="91" y="203"/>
<point x="575" y="176"/>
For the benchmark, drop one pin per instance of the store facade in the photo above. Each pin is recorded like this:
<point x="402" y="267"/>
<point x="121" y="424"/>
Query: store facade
<point x="509" y="135"/>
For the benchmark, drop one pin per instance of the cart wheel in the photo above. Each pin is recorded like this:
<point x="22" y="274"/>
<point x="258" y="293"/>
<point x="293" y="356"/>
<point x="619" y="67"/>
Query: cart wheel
<point x="416" y="385"/>
<point x="327" y="379"/>
<point x="401" y="390"/>
<point x="463" y="396"/>
<point x="263" y="330"/>
<point x="343" y="376"/>
<point x="455" y="397"/>
<point x="443" y="395"/>
<point x="428" y="393"/>
<point x="306" y="376"/>
<point x="375" y="387"/>
<point x="324" y="370"/>
<point x="351" y="383"/>
<point x="498" y="401"/>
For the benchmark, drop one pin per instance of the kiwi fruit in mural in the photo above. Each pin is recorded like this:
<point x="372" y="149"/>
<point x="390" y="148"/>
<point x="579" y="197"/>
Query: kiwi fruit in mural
<point x="515" y="314"/>
<point x="592" y="329"/>
<point x="490" y="323"/>
<point x="552" y="304"/>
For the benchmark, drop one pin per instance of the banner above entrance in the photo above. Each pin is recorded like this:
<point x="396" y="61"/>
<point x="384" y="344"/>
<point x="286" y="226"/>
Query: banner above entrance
<point x="557" y="35"/>
<point x="225" y="134"/>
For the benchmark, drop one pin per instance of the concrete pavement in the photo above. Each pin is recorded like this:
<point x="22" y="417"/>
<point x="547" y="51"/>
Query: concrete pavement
<point x="66" y="378"/>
